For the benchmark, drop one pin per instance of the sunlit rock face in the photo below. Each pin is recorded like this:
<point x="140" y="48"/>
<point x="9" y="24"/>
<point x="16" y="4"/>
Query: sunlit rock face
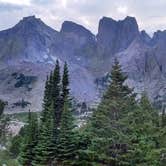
<point x="28" y="52"/>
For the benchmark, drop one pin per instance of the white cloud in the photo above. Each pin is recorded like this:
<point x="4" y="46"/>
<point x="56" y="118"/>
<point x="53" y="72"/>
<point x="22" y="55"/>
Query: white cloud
<point x="16" y="2"/>
<point x="122" y="9"/>
<point x="64" y="3"/>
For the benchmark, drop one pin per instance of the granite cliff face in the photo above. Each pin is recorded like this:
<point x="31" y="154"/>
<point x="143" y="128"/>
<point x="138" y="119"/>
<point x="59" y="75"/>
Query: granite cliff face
<point x="114" y="36"/>
<point x="29" y="51"/>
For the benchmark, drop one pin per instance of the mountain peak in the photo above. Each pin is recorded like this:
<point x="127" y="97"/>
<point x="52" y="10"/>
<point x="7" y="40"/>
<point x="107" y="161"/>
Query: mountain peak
<point x="30" y="21"/>
<point x="130" y="22"/>
<point x="107" y="19"/>
<point x="31" y="24"/>
<point x="130" y="18"/>
<point x="117" y="35"/>
<point x="159" y="37"/>
<point x="71" y="27"/>
<point x="145" y="37"/>
<point x="30" y="18"/>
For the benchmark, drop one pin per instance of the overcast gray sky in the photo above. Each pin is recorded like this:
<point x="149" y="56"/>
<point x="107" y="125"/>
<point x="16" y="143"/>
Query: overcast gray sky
<point x="150" y="14"/>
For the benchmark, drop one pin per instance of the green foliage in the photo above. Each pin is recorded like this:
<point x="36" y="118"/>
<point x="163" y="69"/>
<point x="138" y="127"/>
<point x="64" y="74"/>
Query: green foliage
<point x="5" y="158"/>
<point x="29" y="141"/>
<point x="55" y="93"/>
<point x="66" y="145"/>
<point x="121" y="131"/>
<point x="65" y="82"/>
<point x="47" y="98"/>
<point x="142" y="132"/>
<point x="15" y="146"/>
<point x="45" y="149"/>
<point x="117" y="100"/>
<point x="56" y="98"/>
<point x="4" y="123"/>
<point x="2" y="106"/>
<point x="4" y="126"/>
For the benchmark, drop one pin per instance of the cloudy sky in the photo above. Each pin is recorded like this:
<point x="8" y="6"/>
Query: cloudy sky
<point x="150" y="14"/>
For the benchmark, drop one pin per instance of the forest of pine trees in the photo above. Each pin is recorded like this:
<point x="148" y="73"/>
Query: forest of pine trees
<point x="122" y="131"/>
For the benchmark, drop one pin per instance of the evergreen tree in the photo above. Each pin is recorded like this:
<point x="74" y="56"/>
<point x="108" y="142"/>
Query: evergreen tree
<point x="16" y="142"/>
<point x="116" y="102"/>
<point x="47" y="97"/>
<point x="45" y="149"/>
<point x="65" y="82"/>
<point x="163" y="116"/>
<point x="142" y="130"/>
<point x="109" y="137"/>
<point x="162" y="136"/>
<point x="56" y="99"/>
<point x="15" y="146"/>
<point x="4" y="124"/>
<point x="117" y="88"/>
<point x="2" y="106"/>
<point x="67" y="138"/>
<point x="30" y="141"/>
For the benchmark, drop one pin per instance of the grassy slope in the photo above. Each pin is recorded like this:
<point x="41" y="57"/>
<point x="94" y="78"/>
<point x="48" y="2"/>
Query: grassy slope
<point x="5" y="158"/>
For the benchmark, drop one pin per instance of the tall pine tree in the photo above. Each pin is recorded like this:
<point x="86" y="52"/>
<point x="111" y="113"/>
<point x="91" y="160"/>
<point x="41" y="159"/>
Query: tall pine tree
<point x="108" y="133"/>
<point x="50" y="119"/>
<point x="65" y="82"/>
<point x="47" y="98"/>
<point x="29" y="141"/>
<point x="66" y="145"/>
<point x="143" y="135"/>
<point x="45" y="149"/>
<point x="67" y="138"/>
<point x="56" y="98"/>
<point x="117" y="101"/>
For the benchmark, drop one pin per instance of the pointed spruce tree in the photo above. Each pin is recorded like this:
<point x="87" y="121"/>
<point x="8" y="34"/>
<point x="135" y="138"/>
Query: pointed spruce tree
<point x="143" y="134"/>
<point x="65" y="82"/>
<point x="65" y="88"/>
<point x="109" y="138"/>
<point x="117" y="101"/>
<point x="29" y="141"/>
<point x="47" y="98"/>
<point x="56" y="98"/>
<point x="45" y="149"/>
<point x="67" y="137"/>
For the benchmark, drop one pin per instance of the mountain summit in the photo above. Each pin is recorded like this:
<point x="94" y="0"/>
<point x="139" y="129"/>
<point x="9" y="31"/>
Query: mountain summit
<point x="29" y="40"/>
<point x="116" y="36"/>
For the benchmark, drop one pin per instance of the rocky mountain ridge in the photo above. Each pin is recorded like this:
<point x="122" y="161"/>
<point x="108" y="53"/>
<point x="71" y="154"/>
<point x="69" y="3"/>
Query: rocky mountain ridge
<point x="31" y="48"/>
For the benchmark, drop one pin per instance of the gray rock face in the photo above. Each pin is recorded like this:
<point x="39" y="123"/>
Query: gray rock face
<point x="145" y="37"/>
<point x="29" y="51"/>
<point x="114" y="36"/>
<point x="77" y="43"/>
<point x="29" y="40"/>
<point x="31" y="48"/>
<point x="76" y="29"/>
